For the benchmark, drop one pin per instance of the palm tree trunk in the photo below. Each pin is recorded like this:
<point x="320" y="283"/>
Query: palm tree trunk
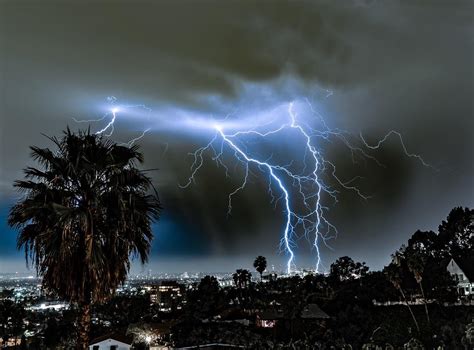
<point x="424" y="302"/>
<point x="409" y="308"/>
<point x="85" y="303"/>
<point x="84" y="326"/>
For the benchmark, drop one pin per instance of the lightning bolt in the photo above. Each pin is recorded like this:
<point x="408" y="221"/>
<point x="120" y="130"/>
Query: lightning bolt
<point x="109" y="128"/>
<point x="110" y="125"/>
<point x="307" y="183"/>
<point x="402" y="143"/>
<point x="302" y="183"/>
<point x="272" y="171"/>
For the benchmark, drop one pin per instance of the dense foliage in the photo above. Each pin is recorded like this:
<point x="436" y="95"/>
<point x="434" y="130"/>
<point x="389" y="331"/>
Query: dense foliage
<point x="84" y="212"/>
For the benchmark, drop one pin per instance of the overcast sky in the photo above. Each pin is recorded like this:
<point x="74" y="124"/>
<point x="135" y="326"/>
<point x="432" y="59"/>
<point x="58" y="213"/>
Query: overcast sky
<point x="366" y="66"/>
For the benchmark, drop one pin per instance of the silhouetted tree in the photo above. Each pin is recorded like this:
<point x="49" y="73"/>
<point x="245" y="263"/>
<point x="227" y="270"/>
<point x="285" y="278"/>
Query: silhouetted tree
<point x="11" y="319"/>
<point x="242" y="278"/>
<point x="438" y="282"/>
<point x="376" y="286"/>
<point x="208" y="285"/>
<point x="456" y="234"/>
<point x="23" y="343"/>
<point x="85" y="211"/>
<point x="314" y="285"/>
<point x="7" y="293"/>
<point x="206" y="300"/>
<point x="51" y="333"/>
<point x="425" y="258"/>
<point x="393" y="273"/>
<point x="260" y="265"/>
<point x="417" y="253"/>
<point x="345" y="269"/>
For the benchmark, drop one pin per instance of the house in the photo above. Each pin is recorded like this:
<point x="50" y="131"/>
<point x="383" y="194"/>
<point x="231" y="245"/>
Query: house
<point x="113" y="341"/>
<point x="269" y="318"/>
<point x="233" y="315"/>
<point x="311" y="317"/>
<point x="463" y="272"/>
<point x="10" y="342"/>
<point x="313" y="312"/>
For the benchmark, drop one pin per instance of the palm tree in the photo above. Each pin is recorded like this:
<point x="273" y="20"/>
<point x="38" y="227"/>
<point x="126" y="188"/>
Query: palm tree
<point x="85" y="213"/>
<point x="416" y="264"/>
<point x="260" y="265"/>
<point x="242" y="278"/>
<point x="417" y="254"/>
<point x="393" y="274"/>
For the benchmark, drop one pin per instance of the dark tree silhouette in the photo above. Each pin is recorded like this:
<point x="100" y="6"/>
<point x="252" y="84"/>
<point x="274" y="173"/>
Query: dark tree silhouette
<point x="260" y="265"/>
<point x="11" y="319"/>
<point x="394" y="275"/>
<point x="242" y="278"/>
<point x="456" y="234"/>
<point x="416" y="264"/>
<point x="84" y="213"/>
<point x="52" y="336"/>
<point x="208" y="285"/>
<point x="206" y="300"/>
<point x="346" y="269"/>
<point x="417" y="254"/>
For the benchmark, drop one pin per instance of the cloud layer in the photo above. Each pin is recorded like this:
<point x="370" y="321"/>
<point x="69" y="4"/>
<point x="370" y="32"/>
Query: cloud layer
<point x="404" y="65"/>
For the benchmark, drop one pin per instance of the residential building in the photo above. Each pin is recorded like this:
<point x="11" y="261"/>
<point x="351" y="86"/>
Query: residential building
<point x="113" y="341"/>
<point x="463" y="272"/>
<point x="313" y="312"/>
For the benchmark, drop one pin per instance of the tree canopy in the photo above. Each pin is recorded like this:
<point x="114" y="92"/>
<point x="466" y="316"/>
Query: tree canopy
<point x="85" y="211"/>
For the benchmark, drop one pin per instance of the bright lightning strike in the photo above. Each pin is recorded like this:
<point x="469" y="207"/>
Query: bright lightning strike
<point x="110" y="125"/>
<point x="402" y="143"/>
<point x="109" y="128"/>
<point x="301" y="182"/>
<point x="305" y="187"/>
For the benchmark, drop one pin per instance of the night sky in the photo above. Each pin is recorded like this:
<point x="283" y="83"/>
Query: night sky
<point x="366" y="66"/>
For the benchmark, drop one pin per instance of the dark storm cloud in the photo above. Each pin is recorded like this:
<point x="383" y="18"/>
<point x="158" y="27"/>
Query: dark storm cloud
<point x="177" y="50"/>
<point x="404" y="65"/>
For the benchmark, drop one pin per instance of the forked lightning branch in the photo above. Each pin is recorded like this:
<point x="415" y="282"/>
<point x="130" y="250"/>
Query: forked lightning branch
<point x="301" y="185"/>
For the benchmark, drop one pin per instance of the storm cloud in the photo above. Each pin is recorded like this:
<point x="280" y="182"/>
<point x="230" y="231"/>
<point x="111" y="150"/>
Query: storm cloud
<point x="369" y="66"/>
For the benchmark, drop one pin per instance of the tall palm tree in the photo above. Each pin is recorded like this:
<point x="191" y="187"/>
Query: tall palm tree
<point x="393" y="274"/>
<point x="416" y="264"/>
<point x="260" y="265"/>
<point x="84" y="214"/>
<point x="417" y="254"/>
<point x="242" y="278"/>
